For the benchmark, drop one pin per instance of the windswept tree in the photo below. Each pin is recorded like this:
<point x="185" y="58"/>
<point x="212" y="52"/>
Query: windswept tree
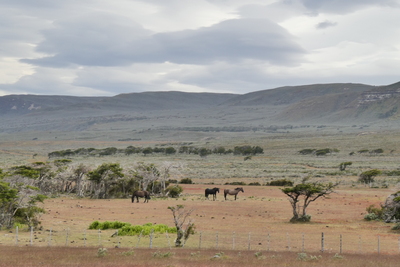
<point x="344" y="165"/>
<point x="147" y="174"/>
<point x="103" y="177"/>
<point x="184" y="225"/>
<point x="368" y="177"/>
<point x="301" y="195"/>
<point x="18" y="203"/>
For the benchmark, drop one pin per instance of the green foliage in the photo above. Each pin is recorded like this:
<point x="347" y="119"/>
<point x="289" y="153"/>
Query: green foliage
<point x="369" y="176"/>
<point x="26" y="171"/>
<point x="235" y="183"/>
<point x="362" y="151"/>
<point x="247" y="150"/>
<point x="186" y="181"/>
<point x="343" y="165"/>
<point x="170" y="150"/>
<point x="174" y="190"/>
<point x="301" y="195"/>
<point x="373" y="213"/>
<point x="255" y="183"/>
<point x="126" y="229"/>
<point x="371" y="217"/>
<point x="281" y="182"/>
<point x="307" y="151"/>
<point x="393" y="173"/>
<point x="396" y="227"/>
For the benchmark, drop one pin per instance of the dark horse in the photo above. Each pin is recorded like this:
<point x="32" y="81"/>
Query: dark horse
<point x="213" y="192"/>
<point x="138" y="194"/>
<point x="233" y="192"/>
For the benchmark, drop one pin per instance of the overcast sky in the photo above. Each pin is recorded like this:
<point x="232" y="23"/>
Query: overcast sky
<point x="108" y="47"/>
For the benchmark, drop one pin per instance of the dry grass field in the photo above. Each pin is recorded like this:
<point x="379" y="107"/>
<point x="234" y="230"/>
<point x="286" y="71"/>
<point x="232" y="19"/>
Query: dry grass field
<point x="254" y="230"/>
<point x="255" y="226"/>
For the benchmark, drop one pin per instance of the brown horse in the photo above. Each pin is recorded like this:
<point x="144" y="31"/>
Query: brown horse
<point x="138" y="194"/>
<point x="233" y="192"/>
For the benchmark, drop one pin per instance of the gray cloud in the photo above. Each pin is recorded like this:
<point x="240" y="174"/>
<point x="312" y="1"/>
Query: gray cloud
<point x="325" y="24"/>
<point x="344" y="6"/>
<point x="104" y="40"/>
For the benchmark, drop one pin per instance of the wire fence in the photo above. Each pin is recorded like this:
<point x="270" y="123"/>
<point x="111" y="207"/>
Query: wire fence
<point x="265" y="241"/>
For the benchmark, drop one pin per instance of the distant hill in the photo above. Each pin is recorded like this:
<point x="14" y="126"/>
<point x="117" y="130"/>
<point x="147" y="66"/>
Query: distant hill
<point x="344" y="103"/>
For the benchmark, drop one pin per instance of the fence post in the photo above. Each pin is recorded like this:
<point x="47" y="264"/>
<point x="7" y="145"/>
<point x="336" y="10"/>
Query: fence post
<point x="302" y="242"/>
<point x="99" y="237"/>
<point x="151" y="238"/>
<point x="216" y="241"/>
<point x="268" y="241"/>
<point x="49" y="242"/>
<point x="66" y="237"/>
<point x="341" y="244"/>
<point x="119" y="240"/>
<point x="169" y="243"/>
<point x="322" y="242"/>
<point x="379" y="245"/>
<point x="16" y="235"/>
<point x="200" y="239"/>
<point x="233" y="240"/>
<point x="140" y="236"/>
<point x="249" y="240"/>
<point x="31" y="242"/>
<point x="84" y="237"/>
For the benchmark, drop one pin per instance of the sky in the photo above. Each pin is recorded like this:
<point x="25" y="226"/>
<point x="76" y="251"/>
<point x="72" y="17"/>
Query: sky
<point x="110" y="47"/>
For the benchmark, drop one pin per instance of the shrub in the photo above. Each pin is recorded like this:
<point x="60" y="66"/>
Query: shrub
<point x="235" y="183"/>
<point x="307" y="151"/>
<point x="255" y="183"/>
<point x="281" y="182"/>
<point x="186" y="181"/>
<point x="371" y="217"/>
<point x="174" y="190"/>
<point x="368" y="176"/>
<point x="396" y="227"/>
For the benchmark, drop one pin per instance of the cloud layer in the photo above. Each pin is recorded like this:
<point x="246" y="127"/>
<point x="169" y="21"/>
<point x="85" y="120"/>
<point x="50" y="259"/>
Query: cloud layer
<point x="109" y="47"/>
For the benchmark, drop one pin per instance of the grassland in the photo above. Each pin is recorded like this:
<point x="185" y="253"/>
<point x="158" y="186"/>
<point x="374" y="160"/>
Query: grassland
<point x="257" y="220"/>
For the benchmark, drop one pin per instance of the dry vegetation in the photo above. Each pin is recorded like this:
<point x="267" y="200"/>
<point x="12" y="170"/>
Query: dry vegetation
<point x="225" y="230"/>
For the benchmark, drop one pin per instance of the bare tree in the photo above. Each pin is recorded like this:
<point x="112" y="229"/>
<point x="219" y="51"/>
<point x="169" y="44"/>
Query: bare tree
<point x="167" y="169"/>
<point x="181" y="216"/>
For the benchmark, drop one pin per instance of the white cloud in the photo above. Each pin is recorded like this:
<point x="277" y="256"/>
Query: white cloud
<point x="103" y="47"/>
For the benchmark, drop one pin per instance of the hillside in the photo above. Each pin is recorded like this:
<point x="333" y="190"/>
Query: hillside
<point x="328" y="104"/>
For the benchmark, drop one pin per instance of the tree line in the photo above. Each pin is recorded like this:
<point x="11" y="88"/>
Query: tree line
<point x="23" y="187"/>
<point x="245" y="150"/>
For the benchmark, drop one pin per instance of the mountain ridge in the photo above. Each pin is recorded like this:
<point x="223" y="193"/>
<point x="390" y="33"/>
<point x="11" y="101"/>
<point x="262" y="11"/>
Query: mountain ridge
<point x="336" y="103"/>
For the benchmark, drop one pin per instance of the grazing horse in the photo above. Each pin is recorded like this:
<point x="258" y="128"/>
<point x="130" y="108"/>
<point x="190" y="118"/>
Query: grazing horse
<point x="213" y="192"/>
<point x="138" y="194"/>
<point x="233" y="192"/>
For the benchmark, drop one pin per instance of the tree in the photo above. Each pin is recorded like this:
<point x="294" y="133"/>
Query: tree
<point x="180" y="217"/>
<point x="104" y="177"/>
<point x="343" y="165"/>
<point x="301" y="195"/>
<point x="18" y="203"/>
<point x="368" y="177"/>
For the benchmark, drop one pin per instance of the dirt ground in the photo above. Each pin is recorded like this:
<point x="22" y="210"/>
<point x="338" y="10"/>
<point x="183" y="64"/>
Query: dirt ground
<point x="258" y="219"/>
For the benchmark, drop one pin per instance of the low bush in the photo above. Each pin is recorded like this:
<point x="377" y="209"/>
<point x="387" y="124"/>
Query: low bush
<point x="281" y="182"/>
<point x="235" y="183"/>
<point x="174" y="190"/>
<point x="186" y="181"/>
